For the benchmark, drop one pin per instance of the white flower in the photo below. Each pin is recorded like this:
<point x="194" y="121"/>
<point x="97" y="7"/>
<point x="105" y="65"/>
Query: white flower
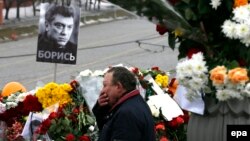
<point x="98" y="73"/>
<point x="215" y="3"/>
<point x="10" y="105"/>
<point x="241" y="14"/>
<point x="86" y="72"/>
<point x="223" y="95"/>
<point x="91" y="128"/>
<point x="247" y="90"/>
<point x="228" y="28"/>
<point x="11" y="97"/>
<point x="192" y="74"/>
<point x="246" y="40"/>
<point x="242" y="30"/>
<point x="21" y="97"/>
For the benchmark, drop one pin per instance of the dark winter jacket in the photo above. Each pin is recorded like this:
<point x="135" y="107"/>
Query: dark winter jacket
<point x="129" y="120"/>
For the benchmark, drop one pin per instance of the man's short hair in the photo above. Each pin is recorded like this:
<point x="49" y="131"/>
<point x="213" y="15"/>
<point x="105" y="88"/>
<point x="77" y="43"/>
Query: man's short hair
<point x="66" y="11"/>
<point x="124" y="76"/>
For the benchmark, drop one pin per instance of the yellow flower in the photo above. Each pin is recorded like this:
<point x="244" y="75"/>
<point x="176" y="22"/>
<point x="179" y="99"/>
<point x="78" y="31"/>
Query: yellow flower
<point x="53" y="93"/>
<point x="162" y="80"/>
<point x="178" y="32"/>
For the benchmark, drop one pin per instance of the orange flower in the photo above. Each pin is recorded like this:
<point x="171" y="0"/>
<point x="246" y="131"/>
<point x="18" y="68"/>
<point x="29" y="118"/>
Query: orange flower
<point x="238" y="75"/>
<point x="238" y="3"/>
<point x="218" y="74"/>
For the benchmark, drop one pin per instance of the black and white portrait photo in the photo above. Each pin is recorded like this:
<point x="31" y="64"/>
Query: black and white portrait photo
<point x="58" y="33"/>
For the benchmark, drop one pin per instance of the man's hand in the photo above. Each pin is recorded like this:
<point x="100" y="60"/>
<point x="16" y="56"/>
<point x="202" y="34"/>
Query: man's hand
<point x="103" y="99"/>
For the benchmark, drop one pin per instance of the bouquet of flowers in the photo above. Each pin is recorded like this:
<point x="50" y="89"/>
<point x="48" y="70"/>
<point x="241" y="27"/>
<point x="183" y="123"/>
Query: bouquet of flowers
<point x="72" y="121"/>
<point x="174" y="129"/>
<point x="14" y="109"/>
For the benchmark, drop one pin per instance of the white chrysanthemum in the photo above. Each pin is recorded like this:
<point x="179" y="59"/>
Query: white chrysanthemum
<point x="247" y="90"/>
<point x="235" y="94"/>
<point x="199" y="68"/>
<point x="21" y="97"/>
<point x="12" y="98"/>
<point x="184" y="69"/>
<point x="223" y="95"/>
<point x="2" y="107"/>
<point x="198" y="56"/>
<point x="86" y="72"/>
<point x="242" y="30"/>
<point x="11" y="105"/>
<point x="98" y="73"/>
<point x="246" y="40"/>
<point x="196" y="83"/>
<point x="241" y="14"/>
<point x="228" y="28"/>
<point x="215" y="3"/>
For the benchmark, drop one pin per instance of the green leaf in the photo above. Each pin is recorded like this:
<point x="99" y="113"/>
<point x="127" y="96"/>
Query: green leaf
<point x="90" y="119"/>
<point x="189" y="14"/>
<point x="171" y="41"/>
<point x="233" y="64"/>
<point x="204" y="6"/>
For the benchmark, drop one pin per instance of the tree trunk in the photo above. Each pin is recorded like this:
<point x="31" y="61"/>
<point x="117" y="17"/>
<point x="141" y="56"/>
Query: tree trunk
<point x="34" y="7"/>
<point x="7" y="5"/>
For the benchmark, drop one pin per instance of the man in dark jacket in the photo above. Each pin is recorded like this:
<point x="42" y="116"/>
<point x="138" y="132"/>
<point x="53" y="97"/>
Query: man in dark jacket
<point x="121" y="112"/>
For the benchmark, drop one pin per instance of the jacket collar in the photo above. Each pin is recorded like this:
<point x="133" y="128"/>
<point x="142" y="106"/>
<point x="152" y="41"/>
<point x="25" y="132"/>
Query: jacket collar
<point x="125" y="97"/>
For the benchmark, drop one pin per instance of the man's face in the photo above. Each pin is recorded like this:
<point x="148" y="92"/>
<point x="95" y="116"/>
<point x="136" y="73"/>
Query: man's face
<point x="113" y="91"/>
<point x="60" y="29"/>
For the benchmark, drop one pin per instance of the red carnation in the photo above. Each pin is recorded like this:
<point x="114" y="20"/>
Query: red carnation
<point x="53" y="115"/>
<point x="84" y="138"/>
<point x="70" y="137"/>
<point x="176" y="122"/>
<point x="163" y="138"/>
<point x="47" y="122"/>
<point x="160" y="126"/>
<point x="161" y="29"/>
<point x="31" y="103"/>
<point x="185" y="117"/>
<point x="74" y="84"/>
<point x="76" y="111"/>
<point x="155" y="68"/>
<point x="192" y="51"/>
<point x="135" y="70"/>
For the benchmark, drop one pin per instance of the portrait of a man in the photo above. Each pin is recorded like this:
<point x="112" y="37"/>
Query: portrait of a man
<point x="57" y="40"/>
